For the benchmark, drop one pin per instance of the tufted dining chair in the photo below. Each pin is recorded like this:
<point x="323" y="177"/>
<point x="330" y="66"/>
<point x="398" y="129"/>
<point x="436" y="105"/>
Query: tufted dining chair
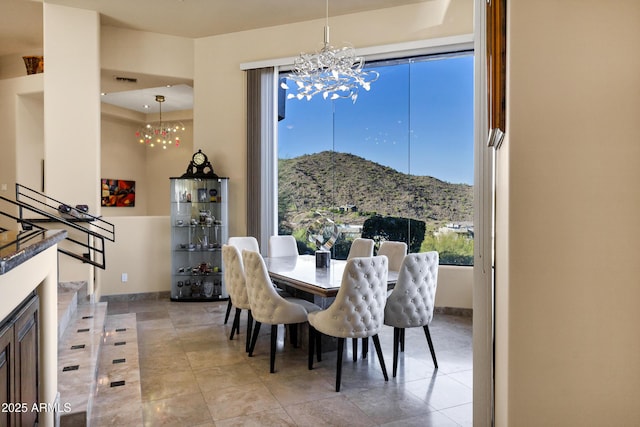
<point x="267" y="306"/>
<point x="410" y="304"/>
<point x="235" y="281"/>
<point x="284" y="245"/>
<point x="361" y="248"/>
<point x="395" y="251"/>
<point x="356" y="312"/>
<point x="249" y="243"/>
<point x="240" y="242"/>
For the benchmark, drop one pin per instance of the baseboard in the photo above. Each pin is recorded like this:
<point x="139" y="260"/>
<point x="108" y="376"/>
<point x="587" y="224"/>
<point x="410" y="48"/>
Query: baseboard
<point x="146" y="296"/>
<point x="454" y="311"/>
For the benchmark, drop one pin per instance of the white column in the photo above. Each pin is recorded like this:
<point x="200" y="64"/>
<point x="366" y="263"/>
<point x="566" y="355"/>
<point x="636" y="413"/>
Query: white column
<point x="72" y="114"/>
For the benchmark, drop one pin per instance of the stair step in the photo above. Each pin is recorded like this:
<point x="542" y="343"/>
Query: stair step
<point x="78" y="353"/>
<point x="70" y="294"/>
<point x="119" y="375"/>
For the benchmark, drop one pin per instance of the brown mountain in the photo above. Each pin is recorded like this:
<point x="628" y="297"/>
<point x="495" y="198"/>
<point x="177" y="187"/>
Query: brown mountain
<point x="329" y="180"/>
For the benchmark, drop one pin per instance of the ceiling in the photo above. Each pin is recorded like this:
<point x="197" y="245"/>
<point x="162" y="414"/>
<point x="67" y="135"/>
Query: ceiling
<point x="21" y="26"/>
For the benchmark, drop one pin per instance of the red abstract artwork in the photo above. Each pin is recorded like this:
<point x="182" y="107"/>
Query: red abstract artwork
<point x="118" y="193"/>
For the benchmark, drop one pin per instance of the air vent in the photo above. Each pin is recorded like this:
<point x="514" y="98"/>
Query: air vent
<point x="125" y="79"/>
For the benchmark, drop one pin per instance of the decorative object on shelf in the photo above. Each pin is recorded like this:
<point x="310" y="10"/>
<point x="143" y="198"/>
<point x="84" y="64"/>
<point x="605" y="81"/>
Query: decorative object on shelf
<point x="199" y="167"/>
<point x="335" y="73"/>
<point x="34" y="64"/>
<point x="118" y="193"/>
<point x="163" y="134"/>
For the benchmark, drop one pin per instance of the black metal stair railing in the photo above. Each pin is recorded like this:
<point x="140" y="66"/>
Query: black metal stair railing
<point x="86" y="232"/>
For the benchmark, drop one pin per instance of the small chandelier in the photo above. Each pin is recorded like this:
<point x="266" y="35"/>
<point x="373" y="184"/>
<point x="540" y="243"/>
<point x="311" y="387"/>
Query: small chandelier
<point x="164" y="134"/>
<point x="335" y="73"/>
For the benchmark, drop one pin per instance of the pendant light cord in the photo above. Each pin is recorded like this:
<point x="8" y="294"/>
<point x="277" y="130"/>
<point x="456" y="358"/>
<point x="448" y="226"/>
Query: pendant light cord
<point x="326" y="25"/>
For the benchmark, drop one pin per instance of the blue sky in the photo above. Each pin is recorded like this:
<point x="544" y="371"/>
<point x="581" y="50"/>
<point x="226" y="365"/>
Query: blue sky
<point x="417" y="118"/>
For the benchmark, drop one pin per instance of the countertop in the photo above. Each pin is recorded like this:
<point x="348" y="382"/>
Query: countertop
<point x="18" y="247"/>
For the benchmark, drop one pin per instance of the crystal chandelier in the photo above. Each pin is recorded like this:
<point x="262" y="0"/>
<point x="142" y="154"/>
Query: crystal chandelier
<point x="164" y="134"/>
<point x="335" y="73"/>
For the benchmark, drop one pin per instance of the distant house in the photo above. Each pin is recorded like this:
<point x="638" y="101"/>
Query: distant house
<point x="348" y="208"/>
<point x="462" y="229"/>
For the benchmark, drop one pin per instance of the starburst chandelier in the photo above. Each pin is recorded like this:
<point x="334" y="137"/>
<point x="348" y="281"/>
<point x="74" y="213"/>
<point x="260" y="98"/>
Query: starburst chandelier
<point x="163" y="134"/>
<point x="334" y="73"/>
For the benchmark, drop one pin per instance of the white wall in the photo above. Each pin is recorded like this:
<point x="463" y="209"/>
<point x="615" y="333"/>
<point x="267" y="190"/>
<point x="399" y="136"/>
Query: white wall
<point x="13" y="65"/>
<point x="145" y="260"/>
<point x="123" y="158"/>
<point x="12" y="114"/>
<point x="569" y="247"/>
<point x="455" y="287"/>
<point x="142" y="52"/>
<point x="148" y="53"/>
<point x="29" y="140"/>
<point x="72" y="114"/>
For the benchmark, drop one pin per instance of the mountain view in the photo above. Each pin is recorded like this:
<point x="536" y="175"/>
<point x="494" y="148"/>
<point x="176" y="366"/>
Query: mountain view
<point x="350" y="189"/>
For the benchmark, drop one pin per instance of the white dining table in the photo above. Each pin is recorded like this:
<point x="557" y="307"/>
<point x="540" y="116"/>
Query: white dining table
<point x="300" y="272"/>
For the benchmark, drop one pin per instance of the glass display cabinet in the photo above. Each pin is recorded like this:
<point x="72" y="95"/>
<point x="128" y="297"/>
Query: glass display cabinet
<point x="199" y="227"/>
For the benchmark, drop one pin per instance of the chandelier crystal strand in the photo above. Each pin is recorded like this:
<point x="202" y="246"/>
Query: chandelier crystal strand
<point x="334" y="73"/>
<point x="164" y="134"/>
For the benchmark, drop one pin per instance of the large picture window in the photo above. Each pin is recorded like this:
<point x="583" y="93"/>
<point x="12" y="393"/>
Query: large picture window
<point x="395" y="165"/>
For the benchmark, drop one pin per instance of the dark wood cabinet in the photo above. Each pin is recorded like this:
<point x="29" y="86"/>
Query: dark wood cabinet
<point x="7" y="418"/>
<point x="19" y="362"/>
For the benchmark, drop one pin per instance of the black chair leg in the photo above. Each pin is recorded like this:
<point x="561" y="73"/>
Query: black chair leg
<point x="236" y="324"/>
<point x="339" y="366"/>
<point x="312" y="341"/>
<point x="318" y="346"/>
<point x="256" y="330"/>
<point x="376" y="342"/>
<point x="433" y="353"/>
<point x="274" y="339"/>
<point x="293" y="330"/>
<point x="226" y="316"/>
<point x="249" y="327"/>
<point x="365" y="347"/>
<point x="396" y="345"/>
<point x="355" y="348"/>
<point x="402" y="339"/>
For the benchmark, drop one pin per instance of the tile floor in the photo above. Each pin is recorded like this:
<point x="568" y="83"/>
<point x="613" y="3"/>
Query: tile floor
<point x="192" y="375"/>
